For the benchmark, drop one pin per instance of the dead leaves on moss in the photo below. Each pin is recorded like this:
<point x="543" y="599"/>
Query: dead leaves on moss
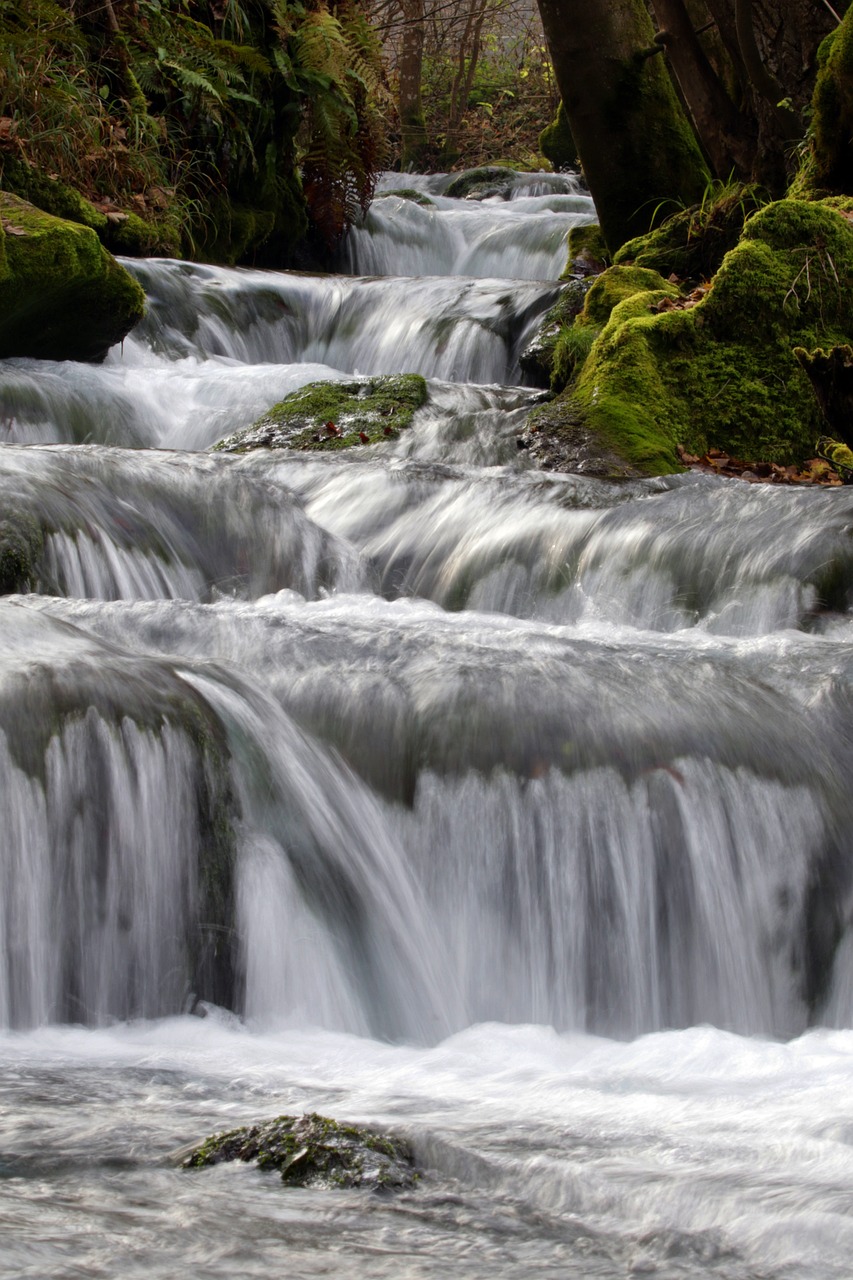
<point x="682" y="303"/>
<point x="816" y="471"/>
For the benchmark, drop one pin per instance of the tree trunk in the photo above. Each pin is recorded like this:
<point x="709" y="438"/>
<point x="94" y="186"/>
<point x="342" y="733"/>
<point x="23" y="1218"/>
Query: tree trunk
<point x="773" y="44"/>
<point x="635" y="143"/>
<point x="728" y="137"/>
<point x="413" y="131"/>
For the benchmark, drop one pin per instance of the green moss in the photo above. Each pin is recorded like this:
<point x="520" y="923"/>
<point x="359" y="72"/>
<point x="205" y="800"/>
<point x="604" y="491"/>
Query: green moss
<point x="588" y="253"/>
<point x="839" y="454"/>
<point x="49" y="194"/>
<point x="376" y="408"/>
<point x="723" y="373"/>
<point x="312" y="1150"/>
<point x="556" y="142"/>
<point x="21" y="546"/>
<point x="476" y="184"/>
<point x="615" y="285"/>
<point x="571" y="349"/>
<point x="692" y="243"/>
<point x="62" y="296"/>
<point x="832" y="113"/>
<point x="134" y="237"/>
<point x="537" y="359"/>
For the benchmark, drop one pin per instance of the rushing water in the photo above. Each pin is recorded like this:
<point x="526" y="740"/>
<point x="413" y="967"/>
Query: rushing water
<point x="508" y="809"/>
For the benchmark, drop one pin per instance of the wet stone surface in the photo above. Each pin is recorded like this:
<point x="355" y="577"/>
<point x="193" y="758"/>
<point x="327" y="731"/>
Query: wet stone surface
<point x="314" y="1151"/>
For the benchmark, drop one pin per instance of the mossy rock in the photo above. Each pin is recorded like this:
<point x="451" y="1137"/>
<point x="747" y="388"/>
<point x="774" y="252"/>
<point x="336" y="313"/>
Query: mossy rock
<point x="573" y="343"/>
<point x="692" y="243"/>
<point x="21" y="546"/>
<point x="557" y="144"/>
<point x="537" y="359"/>
<point x="615" y="285"/>
<point x="62" y="295"/>
<point x="588" y="254"/>
<point x="135" y="237"/>
<point x="479" y="184"/>
<point x="120" y="232"/>
<point x="50" y="194"/>
<point x="335" y="415"/>
<point x="408" y="193"/>
<point x="722" y="373"/>
<point x="314" y="1151"/>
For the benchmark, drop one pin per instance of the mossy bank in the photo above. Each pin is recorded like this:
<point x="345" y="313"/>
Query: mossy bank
<point x="714" y="367"/>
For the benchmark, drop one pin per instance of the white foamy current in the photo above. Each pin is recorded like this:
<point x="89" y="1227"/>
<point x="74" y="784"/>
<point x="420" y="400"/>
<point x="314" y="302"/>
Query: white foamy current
<point x="416" y="787"/>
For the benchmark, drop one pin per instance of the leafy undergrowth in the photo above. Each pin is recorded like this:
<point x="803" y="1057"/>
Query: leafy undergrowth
<point x="196" y="119"/>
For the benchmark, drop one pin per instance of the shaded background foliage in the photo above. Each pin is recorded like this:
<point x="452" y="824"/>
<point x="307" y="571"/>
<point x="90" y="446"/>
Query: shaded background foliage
<point x="226" y="126"/>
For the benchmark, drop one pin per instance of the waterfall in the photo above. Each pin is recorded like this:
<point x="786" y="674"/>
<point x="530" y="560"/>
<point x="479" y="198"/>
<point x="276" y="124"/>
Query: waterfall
<point x="488" y="744"/>
<point x="505" y="807"/>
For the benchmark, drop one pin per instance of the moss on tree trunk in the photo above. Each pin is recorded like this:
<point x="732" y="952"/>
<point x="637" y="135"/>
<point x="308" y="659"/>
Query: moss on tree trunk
<point x="635" y="143"/>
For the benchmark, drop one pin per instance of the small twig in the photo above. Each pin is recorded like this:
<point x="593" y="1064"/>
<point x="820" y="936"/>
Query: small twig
<point x="832" y="11"/>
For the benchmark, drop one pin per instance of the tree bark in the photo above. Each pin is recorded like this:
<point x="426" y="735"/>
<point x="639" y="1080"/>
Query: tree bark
<point x="728" y="137"/>
<point x="412" y="128"/>
<point x="636" y="146"/>
<point x="781" y="40"/>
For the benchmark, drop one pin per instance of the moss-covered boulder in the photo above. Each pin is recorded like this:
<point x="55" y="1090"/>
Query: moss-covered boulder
<point x="718" y="369"/>
<point x="692" y="243"/>
<point x="479" y="184"/>
<point x="556" y="142"/>
<point x="335" y="415"/>
<point x="62" y="295"/>
<point x="50" y="194"/>
<point x="614" y="285"/>
<point x="314" y="1151"/>
<point x="588" y="254"/>
<point x="120" y="230"/>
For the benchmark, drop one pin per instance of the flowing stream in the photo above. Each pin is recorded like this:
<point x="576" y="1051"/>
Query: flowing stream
<point x="418" y="787"/>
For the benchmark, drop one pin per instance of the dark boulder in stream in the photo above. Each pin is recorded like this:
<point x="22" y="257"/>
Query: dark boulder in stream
<point x="314" y="1151"/>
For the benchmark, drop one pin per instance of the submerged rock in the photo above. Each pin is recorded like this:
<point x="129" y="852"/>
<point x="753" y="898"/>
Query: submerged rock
<point x="314" y="1151"/>
<point x="62" y="295"/>
<point x="21" y="547"/>
<point x="481" y="184"/>
<point x="407" y="193"/>
<point x="335" y="415"/>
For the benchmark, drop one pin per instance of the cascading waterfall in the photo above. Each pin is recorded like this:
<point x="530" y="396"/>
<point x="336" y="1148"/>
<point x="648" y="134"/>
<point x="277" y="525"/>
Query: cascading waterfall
<point x="500" y="804"/>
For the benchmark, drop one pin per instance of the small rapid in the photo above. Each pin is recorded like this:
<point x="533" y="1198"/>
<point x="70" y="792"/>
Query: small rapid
<point x="413" y="784"/>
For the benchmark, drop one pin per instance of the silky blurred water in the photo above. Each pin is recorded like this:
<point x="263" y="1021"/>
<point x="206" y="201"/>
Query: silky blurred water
<point x="417" y="787"/>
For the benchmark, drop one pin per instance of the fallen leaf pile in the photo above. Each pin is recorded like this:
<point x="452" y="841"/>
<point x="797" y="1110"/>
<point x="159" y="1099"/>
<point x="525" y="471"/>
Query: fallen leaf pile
<point x="682" y="303"/>
<point x="715" y="462"/>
